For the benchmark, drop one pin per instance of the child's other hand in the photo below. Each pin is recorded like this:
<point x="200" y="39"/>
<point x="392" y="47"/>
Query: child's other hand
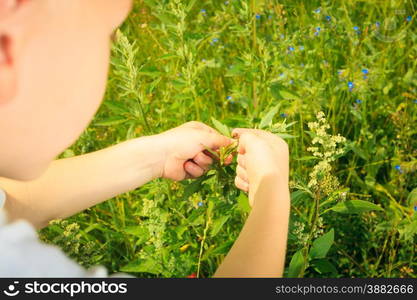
<point x="260" y="154"/>
<point x="183" y="148"/>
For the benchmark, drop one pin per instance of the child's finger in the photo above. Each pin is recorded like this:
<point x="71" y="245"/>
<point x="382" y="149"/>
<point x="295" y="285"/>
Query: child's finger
<point x="203" y="160"/>
<point x="237" y="132"/>
<point x="241" y="160"/>
<point x="194" y="170"/>
<point x="241" y="172"/>
<point x="215" y="140"/>
<point x="240" y="184"/>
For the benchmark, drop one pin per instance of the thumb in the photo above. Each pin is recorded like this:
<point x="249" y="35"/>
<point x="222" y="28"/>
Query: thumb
<point x="214" y="140"/>
<point x="248" y="141"/>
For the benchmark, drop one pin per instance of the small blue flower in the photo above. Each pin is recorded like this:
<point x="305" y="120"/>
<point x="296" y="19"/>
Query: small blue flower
<point x="356" y="28"/>
<point x="365" y="71"/>
<point x="291" y="81"/>
<point x="415" y="207"/>
<point x="409" y="18"/>
<point x="318" y="28"/>
<point x="200" y="204"/>
<point x="258" y="16"/>
<point x="351" y="85"/>
<point x="318" y="10"/>
<point x="358" y="101"/>
<point x="365" y="77"/>
<point x="328" y="18"/>
<point x="229" y="98"/>
<point x="316" y="33"/>
<point x="398" y="168"/>
<point x="377" y="24"/>
<point x="282" y="75"/>
<point x="415" y="101"/>
<point x="291" y="48"/>
<point x="283" y="115"/>
<point x="302" y="65"/>
<point x="213" y="41"/>
<point x="203" y="11"/>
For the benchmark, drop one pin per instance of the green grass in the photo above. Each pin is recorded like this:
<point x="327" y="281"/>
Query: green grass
<point x="352" y="213"/>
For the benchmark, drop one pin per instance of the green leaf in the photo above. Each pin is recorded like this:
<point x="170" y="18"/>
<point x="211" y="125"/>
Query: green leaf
<point x="358" y="151"/>
<point x="355" y="207"/>
<point x="151" y="71"/>
<point x="267" y="119"/>
<point x="297" y="265"/>
<point x="190" y="5"/>
<point x="223" y="129"/>
<point x="307" y="158"/>
<point x="151" y="3"/>
<point x="139" y="231"/>
<point x="258" y="4"/>
<point x="412" y="198"/>
<point x="148" y="265"/>
<point x="166" y="19"/>
<point x="218" y="224"/>
<point x="387" y="88"/>
<point x="179" y="84"/>
<point x="111" y="121"/>
<point x="322" y="245"/>
<point x="193" y="187"/>
<point x="210" y="207"/>
<point x="223" y="248"/>
<point x="323" y="266"/>
<point x="286" y="136"/>
<point x="299" y="195"/>
<point x="280" y="92"/>
<point x="243" y="202"/>
<point x="408" y="229"/>
<point x="116" y="107"/>
<point x="236" y="70"/>
<point x="167" y="56"/>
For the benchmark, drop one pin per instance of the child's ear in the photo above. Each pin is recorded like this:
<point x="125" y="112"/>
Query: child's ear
<point x="8" y="78"/>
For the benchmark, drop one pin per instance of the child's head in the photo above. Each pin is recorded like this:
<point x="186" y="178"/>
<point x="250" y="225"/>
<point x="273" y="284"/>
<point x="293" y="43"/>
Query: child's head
<point x="53" y="68"/>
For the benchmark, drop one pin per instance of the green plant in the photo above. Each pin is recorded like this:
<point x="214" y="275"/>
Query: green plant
<point x="270" y="65"/>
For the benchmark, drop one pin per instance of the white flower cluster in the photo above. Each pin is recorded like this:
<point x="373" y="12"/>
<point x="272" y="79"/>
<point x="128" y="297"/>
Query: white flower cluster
<point x="326" y="147"/>
<point x="299" y="232"/>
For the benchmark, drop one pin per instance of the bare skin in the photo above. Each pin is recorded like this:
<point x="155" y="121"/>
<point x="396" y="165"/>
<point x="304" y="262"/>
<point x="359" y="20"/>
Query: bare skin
<point x="71" y="185"/>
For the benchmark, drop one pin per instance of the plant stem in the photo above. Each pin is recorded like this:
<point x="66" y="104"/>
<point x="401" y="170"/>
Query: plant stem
<point x="254" y="48"/>
<point x="202" y="244"/>
<point x="145" y="121"/>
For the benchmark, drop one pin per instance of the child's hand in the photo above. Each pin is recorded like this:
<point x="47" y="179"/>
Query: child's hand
<point x="260" y="154"/>
<point x="183" y="148"/>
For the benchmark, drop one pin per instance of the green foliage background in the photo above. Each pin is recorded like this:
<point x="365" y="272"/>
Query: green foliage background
<point x="175" y="61"/>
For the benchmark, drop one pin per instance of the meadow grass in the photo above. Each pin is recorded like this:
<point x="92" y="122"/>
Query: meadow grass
<point x="336" y="79"/>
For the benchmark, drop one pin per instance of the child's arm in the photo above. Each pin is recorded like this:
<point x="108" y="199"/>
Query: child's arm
<point x="73" y="184"/>
<point x="262" y="170"/>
